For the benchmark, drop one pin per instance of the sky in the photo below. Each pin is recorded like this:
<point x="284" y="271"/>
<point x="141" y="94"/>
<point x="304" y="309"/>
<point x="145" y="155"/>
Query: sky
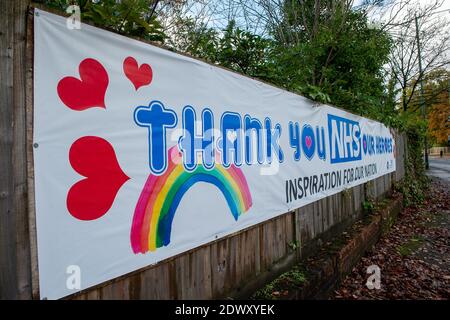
<point x="212" y="12"/>
<point x="446" y="4"/>
<point x="442" y="13"/>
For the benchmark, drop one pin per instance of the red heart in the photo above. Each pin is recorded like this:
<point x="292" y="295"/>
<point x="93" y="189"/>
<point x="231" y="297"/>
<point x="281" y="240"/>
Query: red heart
<point x="308" y="141"/>
<point x="95" y="159"/>
<point x="139" y="76"/>
<point x="89" y="92"/>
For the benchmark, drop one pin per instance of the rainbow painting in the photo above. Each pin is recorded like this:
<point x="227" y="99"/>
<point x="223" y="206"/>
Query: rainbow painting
<point x="161" y="195"/>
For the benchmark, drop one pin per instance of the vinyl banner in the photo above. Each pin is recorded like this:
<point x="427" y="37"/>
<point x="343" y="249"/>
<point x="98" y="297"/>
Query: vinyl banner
<point x="141" y="153"/>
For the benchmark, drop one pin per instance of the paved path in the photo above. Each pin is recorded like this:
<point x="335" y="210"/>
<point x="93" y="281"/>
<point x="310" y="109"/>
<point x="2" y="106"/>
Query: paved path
<point x="440" y="168"/>
<point x="414" y="257"/>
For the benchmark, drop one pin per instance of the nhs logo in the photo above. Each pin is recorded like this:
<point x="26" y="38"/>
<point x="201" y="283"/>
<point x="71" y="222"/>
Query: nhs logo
<point x="345" y="139"/>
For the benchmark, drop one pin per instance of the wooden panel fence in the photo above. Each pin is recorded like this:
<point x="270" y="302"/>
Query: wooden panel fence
<point x="232" y="266"/>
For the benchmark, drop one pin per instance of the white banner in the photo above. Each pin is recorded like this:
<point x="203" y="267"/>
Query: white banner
<point x="141" y="154"/>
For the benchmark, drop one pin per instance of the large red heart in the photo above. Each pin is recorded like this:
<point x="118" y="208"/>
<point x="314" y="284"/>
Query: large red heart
<point x="95" y="159"/>
<point x="139" y="76"/>
<point x="88" y="92"/>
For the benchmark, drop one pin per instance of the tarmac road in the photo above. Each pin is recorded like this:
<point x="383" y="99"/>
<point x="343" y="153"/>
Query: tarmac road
<point x="440" y="168"/>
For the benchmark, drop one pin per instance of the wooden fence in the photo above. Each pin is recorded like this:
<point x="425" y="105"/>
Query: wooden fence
<point x="232" y="266"/>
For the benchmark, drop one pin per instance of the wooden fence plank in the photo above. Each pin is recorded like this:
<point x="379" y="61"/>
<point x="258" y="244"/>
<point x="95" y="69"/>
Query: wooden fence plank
<point x="220" y="263"/>
<point x="193" y="274"/>
<point x="155" y="283"/>
<point x="30" y="159"/>
<point x="15" y="275"/>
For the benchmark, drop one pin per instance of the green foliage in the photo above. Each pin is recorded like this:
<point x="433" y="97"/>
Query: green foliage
<point x="330" y="56"/>
<point x="294" y="245"/>
<point x="292" y="279"/>
<point x="340" y="64"/>
<point x="232" y="48"/>
<point x="129" y="17"/>
<point x="415" y="182"/>
<point x="314" y="93"/>
<point x="368" y="206"/>
<point x="333" y="56"/>
<point x="243" y="51"/>
<point x="411" y="246"/>
<point x="197" y="40"/>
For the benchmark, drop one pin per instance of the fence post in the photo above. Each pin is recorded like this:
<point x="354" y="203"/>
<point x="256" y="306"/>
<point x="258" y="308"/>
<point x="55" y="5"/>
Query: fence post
<point x="15" y="271"/>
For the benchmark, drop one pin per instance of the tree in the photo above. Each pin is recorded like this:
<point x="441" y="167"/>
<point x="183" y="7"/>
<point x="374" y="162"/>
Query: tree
<point x="434" y="42"/>
<point x="329" y="52"/>
<point x="438" y="115"/>
<point x="232" y="47"/>
<point x="196" y="39"/>
<point x="436" y="96"/>
<point x="129" y="17"/>
<point x="244" y="52"/>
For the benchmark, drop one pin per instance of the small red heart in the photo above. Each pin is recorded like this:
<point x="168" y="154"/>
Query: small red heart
<point x="139" y="76"/>
<point x="95" y="159"/>
<point x="308" y="141"/>
<point x="89" y="92"/>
